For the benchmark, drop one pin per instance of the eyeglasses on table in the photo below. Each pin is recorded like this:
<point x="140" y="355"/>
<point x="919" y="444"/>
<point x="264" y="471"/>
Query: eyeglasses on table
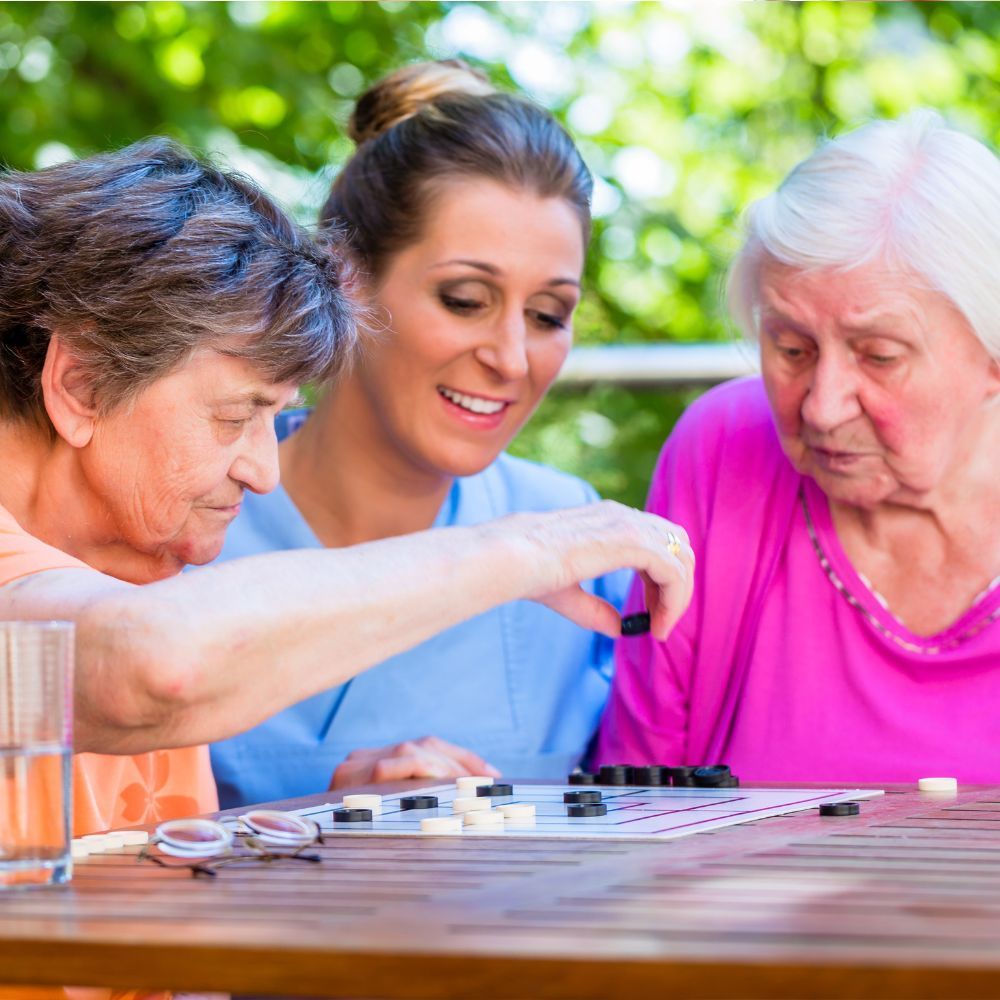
<point x="203" y="845"/>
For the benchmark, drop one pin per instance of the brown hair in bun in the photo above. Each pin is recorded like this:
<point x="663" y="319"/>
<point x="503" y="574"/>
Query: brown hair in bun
<point x="404" y="92"/>
<point x="425" y="124"/>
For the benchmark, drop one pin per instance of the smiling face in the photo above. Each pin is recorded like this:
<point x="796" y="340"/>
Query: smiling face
<point x="171" y="468"/>
<point x="479" y="312"/>
<point x="880" y="389"/>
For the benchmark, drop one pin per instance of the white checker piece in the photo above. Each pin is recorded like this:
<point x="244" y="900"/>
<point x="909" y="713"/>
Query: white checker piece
<point x="373" y="802"/>
<point x="937" y="785"/>
<point x="634" y="813"/>
<point x="468" y="783"/>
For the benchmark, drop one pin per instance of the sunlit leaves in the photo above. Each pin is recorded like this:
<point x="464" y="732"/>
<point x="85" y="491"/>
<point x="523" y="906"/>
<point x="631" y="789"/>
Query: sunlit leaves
<point x="180" y="61"/>
<point x="258" y="106"/>
<point x="686" y="112"/>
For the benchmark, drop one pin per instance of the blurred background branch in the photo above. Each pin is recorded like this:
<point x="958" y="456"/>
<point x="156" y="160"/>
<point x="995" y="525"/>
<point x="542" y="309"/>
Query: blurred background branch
<point x="684" y="111"/>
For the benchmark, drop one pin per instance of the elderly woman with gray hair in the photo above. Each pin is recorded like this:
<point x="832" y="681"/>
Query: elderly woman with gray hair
<point x="155" y="314"/>
<point x="845" y="506"/>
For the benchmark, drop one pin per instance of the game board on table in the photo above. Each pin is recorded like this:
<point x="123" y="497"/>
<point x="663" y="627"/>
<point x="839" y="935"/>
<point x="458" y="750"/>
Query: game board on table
<point x="590" y="812"/>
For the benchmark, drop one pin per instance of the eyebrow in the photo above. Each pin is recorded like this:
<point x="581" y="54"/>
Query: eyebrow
<point x="258" y="399"/>
<point x="495" y="272"/>
<point x="874" y="322"/>
<point x="770" y="313"/>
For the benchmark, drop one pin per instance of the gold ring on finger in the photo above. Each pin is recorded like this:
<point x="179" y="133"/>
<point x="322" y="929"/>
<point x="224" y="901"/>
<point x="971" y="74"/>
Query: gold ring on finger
<point x="674" y="544"/>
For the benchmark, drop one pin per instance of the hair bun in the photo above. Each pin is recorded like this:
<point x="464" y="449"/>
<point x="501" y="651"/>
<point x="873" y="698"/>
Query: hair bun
<point x="403" y="93"/>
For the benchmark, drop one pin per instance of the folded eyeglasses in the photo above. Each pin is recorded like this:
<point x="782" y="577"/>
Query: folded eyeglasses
<point x="202" y="845"/>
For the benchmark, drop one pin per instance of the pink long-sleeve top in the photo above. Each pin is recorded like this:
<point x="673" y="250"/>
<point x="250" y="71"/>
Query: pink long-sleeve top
<point x="787" y="666"/>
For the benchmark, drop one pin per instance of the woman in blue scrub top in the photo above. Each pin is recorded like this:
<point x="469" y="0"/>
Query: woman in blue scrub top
<point x="468" y="211"/>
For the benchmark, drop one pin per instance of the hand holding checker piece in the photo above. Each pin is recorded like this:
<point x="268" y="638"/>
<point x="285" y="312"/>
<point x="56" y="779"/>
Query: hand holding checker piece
<point x="640" y="622"/>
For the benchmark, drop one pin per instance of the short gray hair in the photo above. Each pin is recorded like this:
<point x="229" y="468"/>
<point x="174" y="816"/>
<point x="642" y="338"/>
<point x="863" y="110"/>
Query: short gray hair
<point x="139" y="257"/>
<point x="913" y="193"/>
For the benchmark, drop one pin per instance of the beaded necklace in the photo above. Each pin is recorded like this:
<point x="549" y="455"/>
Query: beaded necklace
<point x="956" y="640"/>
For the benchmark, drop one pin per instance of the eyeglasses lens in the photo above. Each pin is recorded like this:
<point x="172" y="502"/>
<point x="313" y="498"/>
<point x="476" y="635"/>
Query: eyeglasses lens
<point x="281" y="829"/>
<point x="193" y="838"/>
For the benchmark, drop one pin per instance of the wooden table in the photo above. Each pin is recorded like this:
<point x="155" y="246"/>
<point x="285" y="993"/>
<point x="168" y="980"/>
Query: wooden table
<point x="903" y="900"/>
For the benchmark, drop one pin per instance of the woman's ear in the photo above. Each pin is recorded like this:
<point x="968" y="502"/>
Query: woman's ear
<point x="68" y="398"/>
<point x="993" y="389"/>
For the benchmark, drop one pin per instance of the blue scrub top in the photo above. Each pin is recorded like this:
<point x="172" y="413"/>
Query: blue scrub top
<point x="520" y="685"/>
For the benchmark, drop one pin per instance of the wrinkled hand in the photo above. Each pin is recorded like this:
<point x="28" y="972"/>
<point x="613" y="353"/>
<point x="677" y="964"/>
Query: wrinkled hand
<point x="582" y="543"/>
<point x="428" y="757"/>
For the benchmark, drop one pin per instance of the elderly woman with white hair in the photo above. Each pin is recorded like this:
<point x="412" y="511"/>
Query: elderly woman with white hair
<point x="846" y="505"/>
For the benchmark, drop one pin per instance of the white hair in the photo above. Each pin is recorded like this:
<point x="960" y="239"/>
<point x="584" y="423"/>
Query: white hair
<point x="913" y="194"/>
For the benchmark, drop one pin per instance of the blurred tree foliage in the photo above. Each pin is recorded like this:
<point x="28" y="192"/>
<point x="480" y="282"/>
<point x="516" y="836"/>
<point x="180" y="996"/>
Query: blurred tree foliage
<point x="685" y="111"/>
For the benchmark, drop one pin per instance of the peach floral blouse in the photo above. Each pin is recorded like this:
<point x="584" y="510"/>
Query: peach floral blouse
<point x="109" y="791"/>
<point x="114" y="791"/>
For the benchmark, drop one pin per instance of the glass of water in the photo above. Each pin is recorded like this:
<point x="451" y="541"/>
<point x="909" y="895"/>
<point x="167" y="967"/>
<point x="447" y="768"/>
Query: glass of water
<point x="36" y="743"/>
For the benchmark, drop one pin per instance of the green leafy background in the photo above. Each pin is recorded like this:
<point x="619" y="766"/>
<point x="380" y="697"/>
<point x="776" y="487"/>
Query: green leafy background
<point x="686" y="112"/>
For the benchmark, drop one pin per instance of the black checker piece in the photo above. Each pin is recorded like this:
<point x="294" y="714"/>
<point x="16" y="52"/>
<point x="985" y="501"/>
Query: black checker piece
<point x="654" y="775"/>
<point x="616" y="774"/>
<point x="584" y="796"/>
<point x="637" y="624"/>
<point x="840" y="808"/>
<point x="582" y="810"/>
<point x="712" y="777"/>
<point x="494" y="791"/>
<point x="418" y="802"/>
<point x="682" y="777"/>
<point x="352" y="815"/>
